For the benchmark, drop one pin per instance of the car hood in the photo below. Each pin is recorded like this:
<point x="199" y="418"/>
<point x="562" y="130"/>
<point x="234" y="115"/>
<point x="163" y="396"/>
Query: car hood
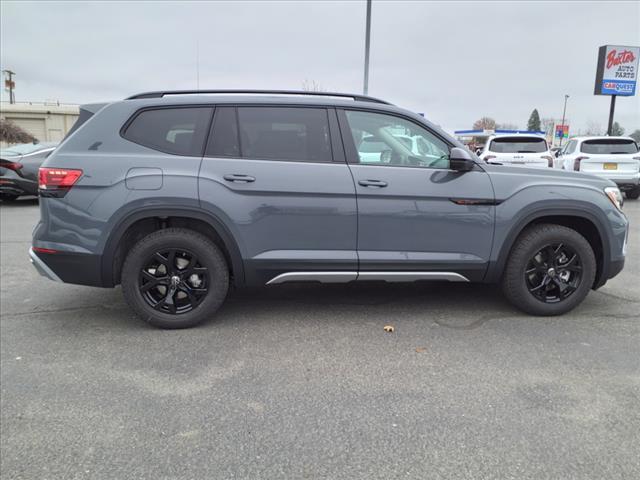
<point x="508" y="180"/>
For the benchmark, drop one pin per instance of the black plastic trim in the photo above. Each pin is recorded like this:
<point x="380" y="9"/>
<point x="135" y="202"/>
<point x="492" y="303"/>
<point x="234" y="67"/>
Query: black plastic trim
<point x="76" y="268"/>
<point x="155" y="211"/>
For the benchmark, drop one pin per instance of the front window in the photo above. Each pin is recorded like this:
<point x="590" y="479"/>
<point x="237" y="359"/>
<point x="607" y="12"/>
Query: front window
<point x="382" y="139"/>
<point x="518" y="145"/>
<point x="608" y="146"/>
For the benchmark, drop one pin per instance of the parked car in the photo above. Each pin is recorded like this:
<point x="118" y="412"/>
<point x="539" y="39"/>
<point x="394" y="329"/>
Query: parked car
<point x="517" y="150"/>
<point x="613" y="158"/>
<point x="19" y="166"/>
<point x="182" y="194"/>
<point x="373" y="149"/>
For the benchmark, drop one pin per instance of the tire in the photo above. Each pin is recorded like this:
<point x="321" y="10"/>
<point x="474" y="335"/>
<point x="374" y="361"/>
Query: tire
<point x="633" y="194"/>
<point x="150" y="270"/>
<point x="7" y="197"/>
<point x="528" y="268"/>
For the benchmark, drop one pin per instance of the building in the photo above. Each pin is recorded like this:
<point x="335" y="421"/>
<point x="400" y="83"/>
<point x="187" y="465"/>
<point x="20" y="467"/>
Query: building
<point x="48" y="122"/>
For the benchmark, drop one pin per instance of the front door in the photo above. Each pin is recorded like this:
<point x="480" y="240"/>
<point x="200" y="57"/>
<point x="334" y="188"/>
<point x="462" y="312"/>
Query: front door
<point x="276" y="177"/>
<point x="416" y="217"/>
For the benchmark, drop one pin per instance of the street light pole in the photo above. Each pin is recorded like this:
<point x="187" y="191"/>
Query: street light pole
<point x="564" y="111"/>
<point x="367" y="43"/>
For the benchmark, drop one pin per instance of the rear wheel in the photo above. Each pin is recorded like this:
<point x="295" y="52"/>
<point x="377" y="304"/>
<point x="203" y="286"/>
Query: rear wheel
<point x="175" y="278"/>
<point x="634" y="193"/>
<point x="549" y="271"/>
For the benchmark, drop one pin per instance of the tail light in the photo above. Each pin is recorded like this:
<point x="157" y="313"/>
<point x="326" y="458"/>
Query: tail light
<point x="576" y="163"/>
<point x="56" y="182"/>
<point x="549" y="160"/>
<point x="15" y="166"/>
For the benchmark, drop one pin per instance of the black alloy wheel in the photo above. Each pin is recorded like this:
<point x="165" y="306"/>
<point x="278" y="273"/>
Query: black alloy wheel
<point x="553" y="273"/>
<point x="173" y="281"/>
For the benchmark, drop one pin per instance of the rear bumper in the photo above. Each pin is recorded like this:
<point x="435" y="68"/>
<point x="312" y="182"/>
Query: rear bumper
<point x="42" y="268"/>
<point x="67" y="267"/>
<point x="15" y="185"/>
<point x="623" y="180"/>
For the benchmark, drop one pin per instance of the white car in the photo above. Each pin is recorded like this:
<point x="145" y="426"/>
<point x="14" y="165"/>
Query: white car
<point x="614" y="158"/>
<point x="374" y="150"/>
<point x="522" y="150"/>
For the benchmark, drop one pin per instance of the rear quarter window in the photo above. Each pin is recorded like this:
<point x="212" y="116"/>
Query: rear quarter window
<point x="178" y="131"/>
<point x="609" y="146"/>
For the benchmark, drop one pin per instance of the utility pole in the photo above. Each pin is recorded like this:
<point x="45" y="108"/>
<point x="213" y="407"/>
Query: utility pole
<point x="10" y="84"/>
<point x="564" y="111"/>
<point x="367" y="43"/>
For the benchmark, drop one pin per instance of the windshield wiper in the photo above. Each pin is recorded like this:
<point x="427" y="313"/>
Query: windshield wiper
<point x="526" y="151"/>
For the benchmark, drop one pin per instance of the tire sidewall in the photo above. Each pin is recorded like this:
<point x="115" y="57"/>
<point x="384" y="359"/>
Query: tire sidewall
<point x="209" y="256"/>
<point x="515" y="286"/>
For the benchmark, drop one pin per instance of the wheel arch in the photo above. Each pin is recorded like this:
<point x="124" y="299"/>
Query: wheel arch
<point x="582" y="221"/>
<point x="142" y="222"/>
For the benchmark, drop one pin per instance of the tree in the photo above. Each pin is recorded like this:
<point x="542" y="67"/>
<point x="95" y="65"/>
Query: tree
<point x="311" y="86"/>
<point x="547" y="125"/>
<point x="635" y="135"/>
<point x="593" y="128"/>
<point x="485" y="123"/>
<point x="11" y="133"/>
<point x="616" y="130"/>
<point x="534" y="121"/>
<point x="507" y="126"/>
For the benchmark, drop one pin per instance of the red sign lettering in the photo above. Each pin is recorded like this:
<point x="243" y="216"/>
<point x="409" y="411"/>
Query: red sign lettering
<point x="614" y="58"/>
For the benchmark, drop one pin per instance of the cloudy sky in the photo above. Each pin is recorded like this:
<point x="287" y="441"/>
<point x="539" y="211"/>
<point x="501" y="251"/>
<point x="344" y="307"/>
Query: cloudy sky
<point x="455" y="61"/>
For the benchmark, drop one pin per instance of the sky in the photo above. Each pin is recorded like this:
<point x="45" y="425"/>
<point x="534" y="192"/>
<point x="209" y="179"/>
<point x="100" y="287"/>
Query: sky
<point x="453" y="61"/>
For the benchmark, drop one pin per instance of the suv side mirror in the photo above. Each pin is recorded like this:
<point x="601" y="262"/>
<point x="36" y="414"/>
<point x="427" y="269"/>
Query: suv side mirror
<point x="460" y="160"/>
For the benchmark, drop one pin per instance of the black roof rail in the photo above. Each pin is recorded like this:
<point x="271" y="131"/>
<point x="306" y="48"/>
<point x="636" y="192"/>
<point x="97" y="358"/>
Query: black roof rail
<point x="355" y="97"/>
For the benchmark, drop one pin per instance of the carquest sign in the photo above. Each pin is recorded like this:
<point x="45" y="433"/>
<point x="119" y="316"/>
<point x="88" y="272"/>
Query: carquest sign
<point x="617" y="72"/>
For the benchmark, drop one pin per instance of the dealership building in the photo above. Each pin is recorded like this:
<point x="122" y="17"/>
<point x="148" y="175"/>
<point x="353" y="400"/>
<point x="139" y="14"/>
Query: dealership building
<point x="48" y="122"/>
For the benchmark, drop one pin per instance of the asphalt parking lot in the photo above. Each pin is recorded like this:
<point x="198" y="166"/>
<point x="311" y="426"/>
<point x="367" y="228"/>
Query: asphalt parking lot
<point x="302" y="382"/>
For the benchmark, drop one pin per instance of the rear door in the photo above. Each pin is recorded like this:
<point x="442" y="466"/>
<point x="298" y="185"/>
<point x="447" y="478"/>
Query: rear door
<point x="276" y="177"/>
<point x="416" y="217"/>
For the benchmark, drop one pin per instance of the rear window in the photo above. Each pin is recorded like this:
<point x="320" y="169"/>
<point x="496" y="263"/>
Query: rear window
<point x="607" y="146"/>
<point x="179" y="131"/>
<point x="518" y="145"/>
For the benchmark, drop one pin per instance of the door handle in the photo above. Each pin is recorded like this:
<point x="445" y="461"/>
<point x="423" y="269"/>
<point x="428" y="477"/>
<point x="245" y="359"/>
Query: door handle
<point x="236" y="177"/>
<point x="372" y="183"/>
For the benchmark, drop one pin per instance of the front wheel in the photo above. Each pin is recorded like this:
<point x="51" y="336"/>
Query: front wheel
<point x="550" y="270"/>
<point x="175" y="278"/>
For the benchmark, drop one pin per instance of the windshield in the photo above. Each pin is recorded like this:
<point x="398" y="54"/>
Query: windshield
<point x="23" y="148"/>
<point x="608" y="146"/>
<point x="518" y="145"/>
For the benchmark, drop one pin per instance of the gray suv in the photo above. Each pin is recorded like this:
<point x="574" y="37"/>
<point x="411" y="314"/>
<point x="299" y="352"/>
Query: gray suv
<point x="179" y="195"/>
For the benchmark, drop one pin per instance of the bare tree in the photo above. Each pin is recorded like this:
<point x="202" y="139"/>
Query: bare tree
<point x="547" y="125"/>
<point x="11" y="133"/>
<point x="485" y="123"/>
<point x="312" y="86"/>
<point x="507" y="126"/>
<point x="593" y="128"/>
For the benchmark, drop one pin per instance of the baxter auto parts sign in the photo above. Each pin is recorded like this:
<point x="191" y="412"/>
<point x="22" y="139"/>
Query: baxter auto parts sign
<point x="617" y="72"/>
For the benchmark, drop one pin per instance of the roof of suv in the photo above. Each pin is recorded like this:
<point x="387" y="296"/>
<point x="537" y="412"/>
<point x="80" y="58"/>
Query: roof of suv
<point x="600" y="137"/>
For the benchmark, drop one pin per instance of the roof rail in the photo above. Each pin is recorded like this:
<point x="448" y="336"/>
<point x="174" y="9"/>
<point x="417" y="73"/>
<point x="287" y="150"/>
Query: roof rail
<point x="355" y="97"/>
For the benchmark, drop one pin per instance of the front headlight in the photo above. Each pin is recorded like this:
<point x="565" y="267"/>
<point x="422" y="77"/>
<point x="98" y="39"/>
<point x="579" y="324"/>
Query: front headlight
<point x="615" y="196"/>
